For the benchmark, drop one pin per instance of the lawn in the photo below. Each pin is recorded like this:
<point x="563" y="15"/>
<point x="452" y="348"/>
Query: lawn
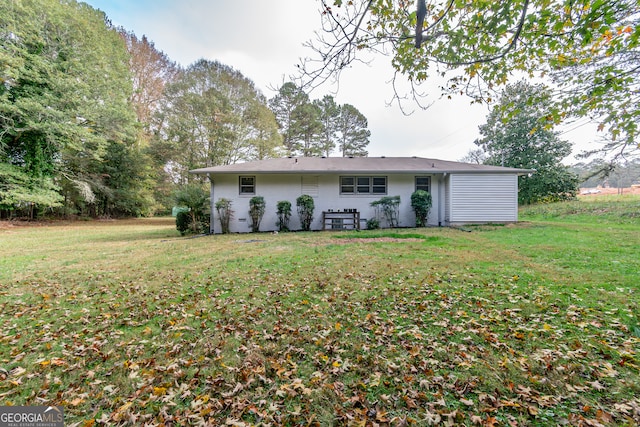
<point x="127" y="323"/>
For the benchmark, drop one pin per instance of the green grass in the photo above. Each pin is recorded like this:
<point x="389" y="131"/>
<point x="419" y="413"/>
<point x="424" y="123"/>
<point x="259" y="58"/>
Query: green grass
<point x="125" y="322"/>
<point x="621" y="209"/>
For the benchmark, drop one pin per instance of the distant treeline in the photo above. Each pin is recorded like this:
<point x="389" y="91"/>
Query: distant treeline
<point x="600" y="173"/>
<point x="95" y="121"/>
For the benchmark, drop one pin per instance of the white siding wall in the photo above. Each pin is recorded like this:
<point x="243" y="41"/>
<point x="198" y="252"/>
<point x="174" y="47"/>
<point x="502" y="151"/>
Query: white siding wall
<point x="277" y="187"/>
<point x="481" y="198"/>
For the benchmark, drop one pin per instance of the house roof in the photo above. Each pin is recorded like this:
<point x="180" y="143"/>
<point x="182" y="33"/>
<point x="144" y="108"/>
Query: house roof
<point x="373" y="165"/>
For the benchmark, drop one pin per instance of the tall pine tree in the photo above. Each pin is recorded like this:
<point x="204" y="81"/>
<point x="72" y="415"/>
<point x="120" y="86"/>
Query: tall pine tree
<point x="354" y="135"/>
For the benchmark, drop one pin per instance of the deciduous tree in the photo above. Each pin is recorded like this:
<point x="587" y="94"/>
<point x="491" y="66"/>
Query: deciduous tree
<point x="64" y="92"/>
<point x="151" y="70"/>
<point x="264" y="140"/>
<point x="20" y="191"/>
<point x="521" y="140"/>
<point x="213" y="115"/>
<point x="590" y="48"/>
<point x="477" y="156"/>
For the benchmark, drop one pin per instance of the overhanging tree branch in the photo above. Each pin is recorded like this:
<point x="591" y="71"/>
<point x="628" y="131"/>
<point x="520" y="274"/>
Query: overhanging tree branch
<point x="510" y="46"/>
<point x="589" y="50"/>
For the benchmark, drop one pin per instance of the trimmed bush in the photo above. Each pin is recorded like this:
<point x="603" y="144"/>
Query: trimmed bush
<point x="305" y="206"/>
<point x="257" y="207"/>
<point x="421" y="204"/>
<point x="223" y="207"/>
<point x="183" y="222"/>
<point x="373" y="224"/>
<point x="284" y="214"/>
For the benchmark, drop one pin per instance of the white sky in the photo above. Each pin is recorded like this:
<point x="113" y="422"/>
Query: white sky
<point x="264" y="40"/>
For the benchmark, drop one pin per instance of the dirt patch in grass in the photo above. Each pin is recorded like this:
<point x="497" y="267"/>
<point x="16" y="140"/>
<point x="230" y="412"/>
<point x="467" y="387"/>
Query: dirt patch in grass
<point x="350" y="241"/>
<point x="376" y="240"/>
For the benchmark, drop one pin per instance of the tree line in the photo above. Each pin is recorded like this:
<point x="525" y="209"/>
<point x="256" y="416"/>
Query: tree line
<point x="97" y="121"/>
<point x="622" y="174"/>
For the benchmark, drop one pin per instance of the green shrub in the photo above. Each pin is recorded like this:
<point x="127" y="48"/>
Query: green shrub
<point x="194" y="199"/>
<point x="257" y="207"/>
<point x="305" y="206"/>
<point x="225" y="213"/>
<point x="389" y="207"/>
<point x="421" y="204"/>
<point x="183" y="222"/>
<point x="373" y="224"/>
<point x="284" y="214"/>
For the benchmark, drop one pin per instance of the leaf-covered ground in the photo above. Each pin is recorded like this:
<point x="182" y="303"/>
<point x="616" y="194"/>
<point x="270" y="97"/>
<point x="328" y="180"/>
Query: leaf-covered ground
<point x="124" y="323"/>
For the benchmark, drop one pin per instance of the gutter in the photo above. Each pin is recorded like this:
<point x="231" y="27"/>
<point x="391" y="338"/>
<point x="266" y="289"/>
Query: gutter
<point x="520" y="172"/>
<point x="212" y="205"/>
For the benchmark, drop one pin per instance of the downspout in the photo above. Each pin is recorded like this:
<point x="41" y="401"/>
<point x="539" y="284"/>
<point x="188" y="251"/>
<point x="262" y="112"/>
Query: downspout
<point x="212" y="205"/>
<point x="441" y="195"/>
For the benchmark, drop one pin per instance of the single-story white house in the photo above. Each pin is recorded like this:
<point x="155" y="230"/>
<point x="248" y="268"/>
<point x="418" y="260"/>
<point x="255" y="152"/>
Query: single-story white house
<point x="344" y="187"/>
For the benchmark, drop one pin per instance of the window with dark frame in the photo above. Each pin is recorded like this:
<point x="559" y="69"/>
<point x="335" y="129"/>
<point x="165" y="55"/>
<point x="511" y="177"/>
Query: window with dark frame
<point x="363" y="185"/>
<point x="247" y="185"/>
<point x="347" y="185"/>
<point x="423" y="183"/>
<point x="379" y="185"/>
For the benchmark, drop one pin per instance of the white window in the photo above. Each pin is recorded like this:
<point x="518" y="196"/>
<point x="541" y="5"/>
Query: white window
<point x="423" y="183"/>
<point x="247" y="185"/>
<point x="363" y="185"/>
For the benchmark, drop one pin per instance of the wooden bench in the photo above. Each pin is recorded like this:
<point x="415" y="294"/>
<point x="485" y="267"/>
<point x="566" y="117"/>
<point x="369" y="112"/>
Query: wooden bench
<point x="349" y="220"/>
